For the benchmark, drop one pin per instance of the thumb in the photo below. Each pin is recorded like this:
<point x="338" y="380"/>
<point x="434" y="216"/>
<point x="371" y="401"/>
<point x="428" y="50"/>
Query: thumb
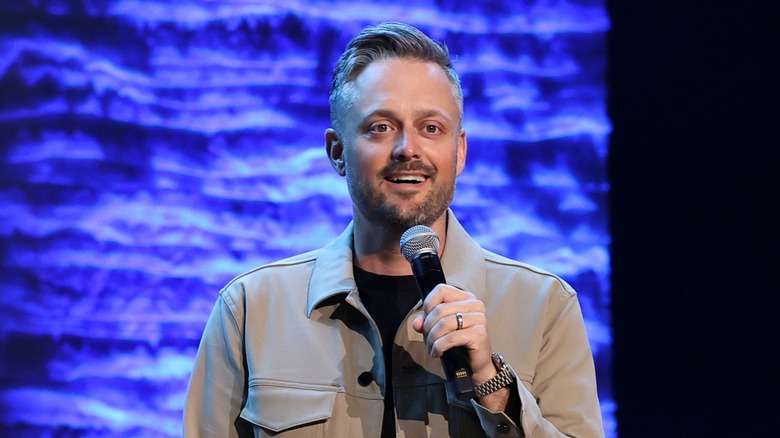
<point x="417" y="324"/>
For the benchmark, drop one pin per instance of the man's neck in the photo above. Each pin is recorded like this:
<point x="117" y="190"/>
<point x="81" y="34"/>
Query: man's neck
<point x="377" y="249"/>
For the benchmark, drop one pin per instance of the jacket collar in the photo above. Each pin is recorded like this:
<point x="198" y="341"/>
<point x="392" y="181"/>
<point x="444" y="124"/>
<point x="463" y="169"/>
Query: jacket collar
<point x="462" y="261"/>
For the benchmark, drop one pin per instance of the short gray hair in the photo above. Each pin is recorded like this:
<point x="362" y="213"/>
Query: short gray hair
<point x="385" y="41"/>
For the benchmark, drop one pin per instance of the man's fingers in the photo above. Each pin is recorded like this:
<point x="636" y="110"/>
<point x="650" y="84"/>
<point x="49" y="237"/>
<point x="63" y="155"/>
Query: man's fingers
<point x="444" y="293"/>
<point x="436" y="329"/>
<point x="471" y="338"/>
<point x="445" y="313"/>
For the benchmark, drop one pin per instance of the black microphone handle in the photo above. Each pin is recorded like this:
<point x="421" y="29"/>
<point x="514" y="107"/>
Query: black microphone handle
<point x="428" y="273"/>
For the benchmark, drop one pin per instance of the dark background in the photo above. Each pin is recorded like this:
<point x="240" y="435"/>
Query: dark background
<point x="693" y="165"/>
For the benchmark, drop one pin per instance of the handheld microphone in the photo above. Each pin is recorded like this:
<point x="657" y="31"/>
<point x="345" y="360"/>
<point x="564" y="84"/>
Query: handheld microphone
<point x="420" y="247"/>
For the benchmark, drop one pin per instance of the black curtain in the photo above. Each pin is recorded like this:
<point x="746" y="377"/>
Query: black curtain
<point x="694" y="199"/>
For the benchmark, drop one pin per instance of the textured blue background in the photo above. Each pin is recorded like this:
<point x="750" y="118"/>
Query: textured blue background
<point x="151" y="151"/>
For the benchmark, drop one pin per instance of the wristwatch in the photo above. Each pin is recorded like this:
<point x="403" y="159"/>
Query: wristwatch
<point x="504" y="378"/>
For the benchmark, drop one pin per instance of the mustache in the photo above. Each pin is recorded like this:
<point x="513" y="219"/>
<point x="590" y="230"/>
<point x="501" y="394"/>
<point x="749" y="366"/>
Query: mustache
<point x="408" y="166"/>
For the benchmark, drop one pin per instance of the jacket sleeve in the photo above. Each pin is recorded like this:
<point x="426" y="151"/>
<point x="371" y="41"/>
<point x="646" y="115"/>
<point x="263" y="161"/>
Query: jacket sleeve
<point x="217" y="387"/>
<point x="563" y="400"/>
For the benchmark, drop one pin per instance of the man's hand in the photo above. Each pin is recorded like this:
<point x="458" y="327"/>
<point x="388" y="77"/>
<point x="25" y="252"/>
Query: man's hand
<point x="439" y="325"/>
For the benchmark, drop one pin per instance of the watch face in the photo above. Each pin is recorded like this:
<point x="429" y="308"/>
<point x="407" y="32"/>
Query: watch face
<point x="498" y="360"/>
<point x="503" y="379"/>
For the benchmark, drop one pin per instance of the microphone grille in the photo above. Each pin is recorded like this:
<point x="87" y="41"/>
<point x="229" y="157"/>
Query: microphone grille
<point x="419" y="239"/>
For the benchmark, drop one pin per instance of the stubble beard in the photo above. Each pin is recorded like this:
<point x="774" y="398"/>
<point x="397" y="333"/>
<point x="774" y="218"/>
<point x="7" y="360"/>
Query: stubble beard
<point x="375" y="207"/>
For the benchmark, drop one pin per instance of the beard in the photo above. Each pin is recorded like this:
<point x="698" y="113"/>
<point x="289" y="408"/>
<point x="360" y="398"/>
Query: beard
<point x="375" y="207"/>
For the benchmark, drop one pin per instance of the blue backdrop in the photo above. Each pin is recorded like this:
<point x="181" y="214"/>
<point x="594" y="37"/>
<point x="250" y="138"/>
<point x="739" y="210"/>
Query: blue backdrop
<point x="152" y="150"/>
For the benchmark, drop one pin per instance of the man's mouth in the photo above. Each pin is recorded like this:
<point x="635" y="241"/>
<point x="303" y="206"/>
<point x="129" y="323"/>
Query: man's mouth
<point x="406" y="179"/>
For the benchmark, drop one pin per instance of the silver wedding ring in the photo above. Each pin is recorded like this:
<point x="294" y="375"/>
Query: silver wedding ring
<point x="459" y="318"/>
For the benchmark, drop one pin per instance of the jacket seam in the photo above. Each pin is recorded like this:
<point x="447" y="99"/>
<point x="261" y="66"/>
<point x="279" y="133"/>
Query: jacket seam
<point x="498" y="260"/>
<point x="292" y="261"/>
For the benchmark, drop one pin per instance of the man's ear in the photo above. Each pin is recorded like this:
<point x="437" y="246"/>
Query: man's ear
<point x="461" y="150"/>
<point x="335" y="149"/>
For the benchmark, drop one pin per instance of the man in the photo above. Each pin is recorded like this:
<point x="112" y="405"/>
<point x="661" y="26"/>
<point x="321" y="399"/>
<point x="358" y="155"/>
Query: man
<point x="336" y="342"/>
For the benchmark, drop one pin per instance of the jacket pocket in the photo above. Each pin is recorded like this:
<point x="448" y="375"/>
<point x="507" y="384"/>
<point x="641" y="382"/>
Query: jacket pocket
<point x="289" y="409"/>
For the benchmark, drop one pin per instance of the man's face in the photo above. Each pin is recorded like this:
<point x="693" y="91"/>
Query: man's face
<point x="403" y="146"/>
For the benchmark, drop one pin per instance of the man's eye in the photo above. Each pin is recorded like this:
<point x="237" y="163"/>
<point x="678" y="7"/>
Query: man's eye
<point x="380" y="127"/>
<point x="431" y="129"/>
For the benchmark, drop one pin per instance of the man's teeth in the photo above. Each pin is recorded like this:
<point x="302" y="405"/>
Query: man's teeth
<point x="412" y="179"/>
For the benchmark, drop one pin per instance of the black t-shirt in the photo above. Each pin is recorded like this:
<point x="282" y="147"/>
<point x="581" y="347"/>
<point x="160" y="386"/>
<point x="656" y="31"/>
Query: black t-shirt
<point x="388" y="300"/>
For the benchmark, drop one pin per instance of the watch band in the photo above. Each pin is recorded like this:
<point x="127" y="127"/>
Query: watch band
<point x="504" y="378"/>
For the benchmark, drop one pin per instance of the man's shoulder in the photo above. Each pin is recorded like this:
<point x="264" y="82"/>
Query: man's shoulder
<point x="305" y="258"/>
<point x="524" y="272"/>
<point x="289" y="269"/>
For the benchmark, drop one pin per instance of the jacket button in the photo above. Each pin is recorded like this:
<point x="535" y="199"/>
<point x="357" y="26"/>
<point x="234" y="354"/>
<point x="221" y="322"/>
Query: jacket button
<point x="502" y="428"/>
<point x="365" y="378"/>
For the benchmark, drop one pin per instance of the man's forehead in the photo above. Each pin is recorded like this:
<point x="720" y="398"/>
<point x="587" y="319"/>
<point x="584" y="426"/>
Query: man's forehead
<point x="400" y="66"/>
<point x="387" y="112"/>
<point x="388" y="83"/>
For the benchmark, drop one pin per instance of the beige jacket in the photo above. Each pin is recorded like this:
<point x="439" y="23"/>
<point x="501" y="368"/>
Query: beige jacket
<point x="290" y="349"/>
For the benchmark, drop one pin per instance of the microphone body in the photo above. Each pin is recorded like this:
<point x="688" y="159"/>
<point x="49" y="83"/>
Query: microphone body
<point x="420" y="247"/>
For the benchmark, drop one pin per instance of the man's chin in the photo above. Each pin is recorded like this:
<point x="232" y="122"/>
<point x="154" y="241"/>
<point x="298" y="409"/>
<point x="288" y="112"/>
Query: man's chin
<point x="407" y="218"/>
<point x="398" y="215"/>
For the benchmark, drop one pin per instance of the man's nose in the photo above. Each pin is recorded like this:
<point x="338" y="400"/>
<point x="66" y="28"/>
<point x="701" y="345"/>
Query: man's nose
<point x="407" y="147"/>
